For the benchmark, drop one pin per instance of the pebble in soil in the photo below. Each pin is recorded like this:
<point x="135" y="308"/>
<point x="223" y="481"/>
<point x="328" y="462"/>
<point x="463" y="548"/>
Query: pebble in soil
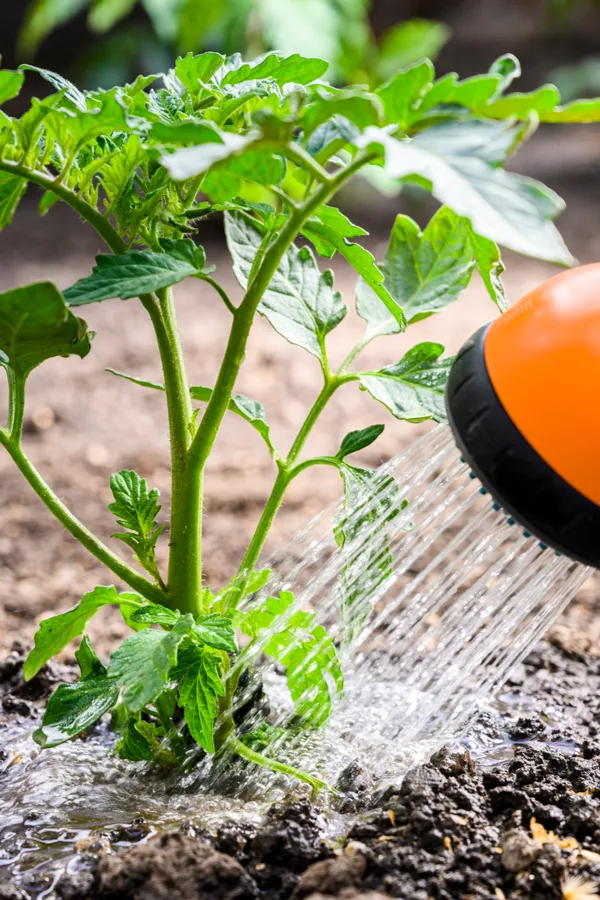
<point x="459" y="826"/>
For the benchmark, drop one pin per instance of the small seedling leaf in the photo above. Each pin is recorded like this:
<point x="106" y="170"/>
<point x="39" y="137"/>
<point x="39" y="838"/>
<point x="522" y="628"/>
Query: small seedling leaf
<point x="358" y="440"/>
<point x="216" y="631"/>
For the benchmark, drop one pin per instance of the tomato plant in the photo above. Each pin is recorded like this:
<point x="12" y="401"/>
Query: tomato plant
<point x="144" y="165"/>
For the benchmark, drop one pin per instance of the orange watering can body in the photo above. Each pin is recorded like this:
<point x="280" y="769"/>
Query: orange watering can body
<point x="523" y="401"/>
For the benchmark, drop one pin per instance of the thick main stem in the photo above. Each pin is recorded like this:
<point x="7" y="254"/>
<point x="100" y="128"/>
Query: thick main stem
<point x="185" y="556"/>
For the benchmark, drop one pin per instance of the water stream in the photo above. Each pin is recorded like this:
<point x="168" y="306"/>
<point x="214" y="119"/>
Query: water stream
<point x="440" y="596"/>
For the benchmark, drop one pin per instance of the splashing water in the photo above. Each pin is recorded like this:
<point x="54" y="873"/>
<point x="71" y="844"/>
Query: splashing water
<point x="455" y="597"/>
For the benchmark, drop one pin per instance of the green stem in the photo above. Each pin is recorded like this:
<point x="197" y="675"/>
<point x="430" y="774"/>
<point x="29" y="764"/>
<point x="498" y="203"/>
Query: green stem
<point x="185" y="557"/>
<point x="304" y="160"/>
<point x="222" y="293"/>
<point x="286" y="474"/>
<point x="238" y="337"/>
<point x="253" y="756"/>
<point x="171" y="732"/>
<point x="87" y="212"/>
<point x="356" y="350"/>
<point x="16" y="405"/>
<point x="136" y="581"/>
<point x="266" y="520"/>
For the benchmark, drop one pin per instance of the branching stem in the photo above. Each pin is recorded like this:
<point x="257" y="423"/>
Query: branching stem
<point x="185" y="557"/>
<point x="87" y="212"/>
<point x="253" y="756"/>
<point x="85" y="537"/>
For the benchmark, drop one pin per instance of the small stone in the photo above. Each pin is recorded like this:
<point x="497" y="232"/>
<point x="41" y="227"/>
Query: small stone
<point x="331" y="876"/>
<point x="519" y="850"/>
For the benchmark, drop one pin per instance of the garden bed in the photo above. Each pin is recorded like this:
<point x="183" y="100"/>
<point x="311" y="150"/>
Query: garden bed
<point x="458" y="827"/>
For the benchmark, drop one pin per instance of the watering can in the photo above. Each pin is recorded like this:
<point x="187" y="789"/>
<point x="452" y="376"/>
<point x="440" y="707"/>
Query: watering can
<point x="523" y="409"/>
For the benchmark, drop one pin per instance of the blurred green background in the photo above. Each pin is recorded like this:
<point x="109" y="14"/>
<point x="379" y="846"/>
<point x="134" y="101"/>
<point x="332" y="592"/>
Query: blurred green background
<point x="104" y="42"/>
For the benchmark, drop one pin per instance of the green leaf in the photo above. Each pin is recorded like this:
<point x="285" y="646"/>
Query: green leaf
<point x="379" y="319"/>
<point x="141" y="665"/>
<point x="250" y="410"/>
<point x="176" y="133"/>
<point x="10" y="84"/>
<point x="136" y="509"/>
<point x="357" y="106"/>
<point x="138" y="272"/>
<point x="57" y="81"/>
<point x="82" y="127"/>
<point x="409" y="42"/>
<point x="261" y="616"/>
<point x="330" y="136"/>
<point x="151" y="734"/>
<point x="199" y="688"/>
<point x="155" y="614"/>
<point x="300" y="303"/>
<point x="128" y="605"/>
<point x="413" y="389"/>
<point x="88" y="662"/>
<point x="74" y="707"/>
<point x="405" y="90"/>
<point x="195" y="72"/>
<point x="294" y="69"/>
<point x="216" y="147"/>
<point x="358" y="440"/>
<point x="371" y="497"/>
<point x="35" y="325"/>
<point x="133" y="745"/>
<point x="460" y="164"/>
<point x="216" y="631"/>
<point x="426" y="271"/>
<point x="56" y="632"/>
<point x="313" y="672"/>
<point x="12" y="190"/>
<point x="490" y="267"/>
<point x="330" y="230"/>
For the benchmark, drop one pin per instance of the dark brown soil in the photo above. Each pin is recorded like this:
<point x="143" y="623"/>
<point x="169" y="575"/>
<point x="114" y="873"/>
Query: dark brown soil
<point x="520" y="822"/>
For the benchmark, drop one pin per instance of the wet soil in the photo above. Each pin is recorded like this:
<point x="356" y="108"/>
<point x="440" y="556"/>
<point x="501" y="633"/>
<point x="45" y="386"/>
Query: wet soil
<point x="515" y="816"/>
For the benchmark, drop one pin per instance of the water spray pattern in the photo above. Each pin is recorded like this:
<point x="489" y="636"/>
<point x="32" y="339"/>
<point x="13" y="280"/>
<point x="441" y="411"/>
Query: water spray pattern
<point x="466" y="595"/>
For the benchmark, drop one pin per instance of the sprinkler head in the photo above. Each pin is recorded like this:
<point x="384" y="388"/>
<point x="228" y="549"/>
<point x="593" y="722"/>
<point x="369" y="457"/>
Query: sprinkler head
<point x="523" y="401"/>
